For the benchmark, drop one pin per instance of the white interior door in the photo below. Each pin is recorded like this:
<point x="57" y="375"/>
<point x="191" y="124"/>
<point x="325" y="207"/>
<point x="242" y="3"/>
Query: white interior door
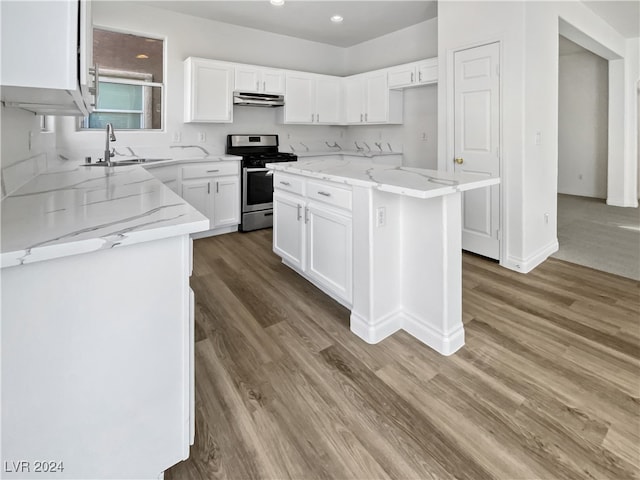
<point x="476" y="143"/>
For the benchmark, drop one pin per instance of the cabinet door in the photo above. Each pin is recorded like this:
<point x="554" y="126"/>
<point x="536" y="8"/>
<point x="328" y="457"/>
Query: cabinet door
<point x="209" y="91"/>
<point x="354" y="108"/>
<point x="247" y="79"/>
<point x="377" y="98"/>
<point x="300" y="99"/>
<point x="226" y="201"/>
<point x="288" y="228"/>
<point x="273" y="81"/>
<point x="329" y="257"/>
<point x="428" y="71"/>
<point x="328" y="101"/>
<point x="197" y="194"/>
<point x="402" y="76"/>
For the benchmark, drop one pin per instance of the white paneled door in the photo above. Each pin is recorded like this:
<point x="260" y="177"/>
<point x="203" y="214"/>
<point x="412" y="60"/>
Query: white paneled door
<point x="476" y="143"/>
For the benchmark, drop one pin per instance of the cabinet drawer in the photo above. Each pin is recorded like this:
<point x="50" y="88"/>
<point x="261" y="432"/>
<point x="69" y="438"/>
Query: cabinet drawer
<point x="289" y="183"/>
<point x="210" y="170"/>
<point x="329" y="193"/>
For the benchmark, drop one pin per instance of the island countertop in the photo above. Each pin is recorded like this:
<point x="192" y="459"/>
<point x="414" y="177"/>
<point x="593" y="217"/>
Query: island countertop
<point x="68" y="212"/>
<point x="413" y="182"/>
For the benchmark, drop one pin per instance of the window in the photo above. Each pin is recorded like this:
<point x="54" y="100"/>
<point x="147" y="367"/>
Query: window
<point x="130" y="86"/>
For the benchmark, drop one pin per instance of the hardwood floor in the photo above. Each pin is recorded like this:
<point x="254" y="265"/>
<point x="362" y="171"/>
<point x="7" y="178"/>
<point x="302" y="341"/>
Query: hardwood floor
<point x="546" y="387"/>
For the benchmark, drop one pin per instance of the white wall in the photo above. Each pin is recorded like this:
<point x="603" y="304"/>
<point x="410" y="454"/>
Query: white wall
<point x="583" y="91"/>
<point x="190" y="36"/>
<point x="25" y="150"/>
<point x="418" y="136"/>
<point x="416" y="42"/>
<point x="467" y="24"/>
<point x="529" y="35"/>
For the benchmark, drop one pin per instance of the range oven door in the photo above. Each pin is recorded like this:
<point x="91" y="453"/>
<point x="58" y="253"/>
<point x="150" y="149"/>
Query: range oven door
<point x="257" y="189"/>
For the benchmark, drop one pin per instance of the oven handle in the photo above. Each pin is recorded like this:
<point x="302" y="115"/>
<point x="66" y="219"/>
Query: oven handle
<point x="249" y="170"/>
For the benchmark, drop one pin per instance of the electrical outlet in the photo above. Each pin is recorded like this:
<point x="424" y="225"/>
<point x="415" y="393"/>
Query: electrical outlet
<point x="424" y="136"/>
<point x="176" y="137"/>
<point x="381" y="216"/>
<point x="546" y="218"/>
<point x="288" y="136"/>
<point x="202" y="137"/>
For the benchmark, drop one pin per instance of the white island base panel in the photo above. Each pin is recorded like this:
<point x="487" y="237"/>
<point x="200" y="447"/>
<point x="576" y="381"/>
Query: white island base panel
<point x="97" y="362"/>
<point x="407" y="271"/>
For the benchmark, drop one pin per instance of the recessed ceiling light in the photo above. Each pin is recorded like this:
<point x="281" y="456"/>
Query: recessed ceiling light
<point x="337" y="18"/>
<point x="277" y="3"/>
<point x="142" y="55"/>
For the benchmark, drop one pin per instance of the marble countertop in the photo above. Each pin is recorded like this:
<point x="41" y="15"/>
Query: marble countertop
<point x="353" y="153"/>
<point x="86" y="209"/>
<point x="173" y="161"/>
<point x="412" y="182"/>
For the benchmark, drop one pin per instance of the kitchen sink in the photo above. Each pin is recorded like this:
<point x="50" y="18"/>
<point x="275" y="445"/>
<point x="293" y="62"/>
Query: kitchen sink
<point x="129" y="161"/>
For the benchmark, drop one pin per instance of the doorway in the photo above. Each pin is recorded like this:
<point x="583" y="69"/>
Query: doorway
<point x="590" y="232"/>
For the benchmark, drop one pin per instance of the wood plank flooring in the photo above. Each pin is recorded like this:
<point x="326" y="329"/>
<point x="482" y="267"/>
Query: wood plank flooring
<point x="546" y="387"/>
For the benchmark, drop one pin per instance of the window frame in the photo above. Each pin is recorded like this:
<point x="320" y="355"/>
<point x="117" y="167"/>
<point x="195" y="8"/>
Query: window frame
<point x="115" y="76"/>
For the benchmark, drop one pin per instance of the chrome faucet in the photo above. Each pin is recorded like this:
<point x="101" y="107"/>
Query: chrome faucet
<point x="111" y="136"/>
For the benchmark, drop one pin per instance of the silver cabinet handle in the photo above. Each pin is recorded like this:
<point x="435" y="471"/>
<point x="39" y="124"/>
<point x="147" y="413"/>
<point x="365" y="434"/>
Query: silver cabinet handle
<point x="264" y="86"/>
<point x="257" y="86"/>
<point x="361" y="117"/>
<point x="366" y="117"/>
<point x="419" y="76"/>
<point x="285" y="183"/>
<point x="208" y="188"/>
<point x="312" y="118"/>
<point x="411" y="77"/>
<point x="306" y="215"/>
<point x="212" y="171"/>
<point x="317" y="117"/>
<point x="217" y="187"/>
<point x="324" y="194"/>
<point x="299" y="212"/>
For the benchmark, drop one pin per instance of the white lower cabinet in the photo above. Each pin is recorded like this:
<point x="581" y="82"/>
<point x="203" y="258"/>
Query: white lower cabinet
<point x="329" y="259"/>
<point x="213" y="190"/>
<point x="315" y="237"/>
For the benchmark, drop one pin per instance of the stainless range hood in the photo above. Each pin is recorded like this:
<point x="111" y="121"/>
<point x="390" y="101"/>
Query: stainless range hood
<point x="258" y="99"/>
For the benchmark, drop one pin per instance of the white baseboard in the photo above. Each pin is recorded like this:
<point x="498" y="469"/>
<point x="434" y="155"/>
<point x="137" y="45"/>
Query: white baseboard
<point x="400" y="320"/>
<point x="526" y="265"/>
<point x="621" y="202"/>
<point x="441" y="343"/>
<point x="387" y="325"/>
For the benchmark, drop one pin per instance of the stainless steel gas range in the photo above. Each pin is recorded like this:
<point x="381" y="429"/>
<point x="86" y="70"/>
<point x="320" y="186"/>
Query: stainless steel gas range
<point x="257" y="181"/>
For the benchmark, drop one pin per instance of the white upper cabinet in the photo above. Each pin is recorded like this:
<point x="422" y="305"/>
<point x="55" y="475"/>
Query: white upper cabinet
<point x="46" y="56"/>
<point x="414" y="74"/>
<point x="369" y="100"/>
<point x="249" y="78"/>
<point x="312" y="99"/>
<point x="208" y="91"/>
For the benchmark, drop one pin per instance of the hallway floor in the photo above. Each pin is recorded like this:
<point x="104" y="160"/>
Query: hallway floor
<point x="597" y="235"/>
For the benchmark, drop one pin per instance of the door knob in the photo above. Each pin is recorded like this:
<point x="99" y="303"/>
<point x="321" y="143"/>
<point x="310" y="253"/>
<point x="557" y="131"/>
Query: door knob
<point x="459" y="161"/>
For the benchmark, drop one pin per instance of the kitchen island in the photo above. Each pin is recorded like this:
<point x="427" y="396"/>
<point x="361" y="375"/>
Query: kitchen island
<point x="383" y="240"/>
<point x="97" y="325"/>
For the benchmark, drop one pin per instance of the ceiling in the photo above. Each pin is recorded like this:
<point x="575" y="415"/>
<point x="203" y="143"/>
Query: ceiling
<point x="622" y="15"/>
<point x="309" y="19"/>
<point x="363" y="19"/>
